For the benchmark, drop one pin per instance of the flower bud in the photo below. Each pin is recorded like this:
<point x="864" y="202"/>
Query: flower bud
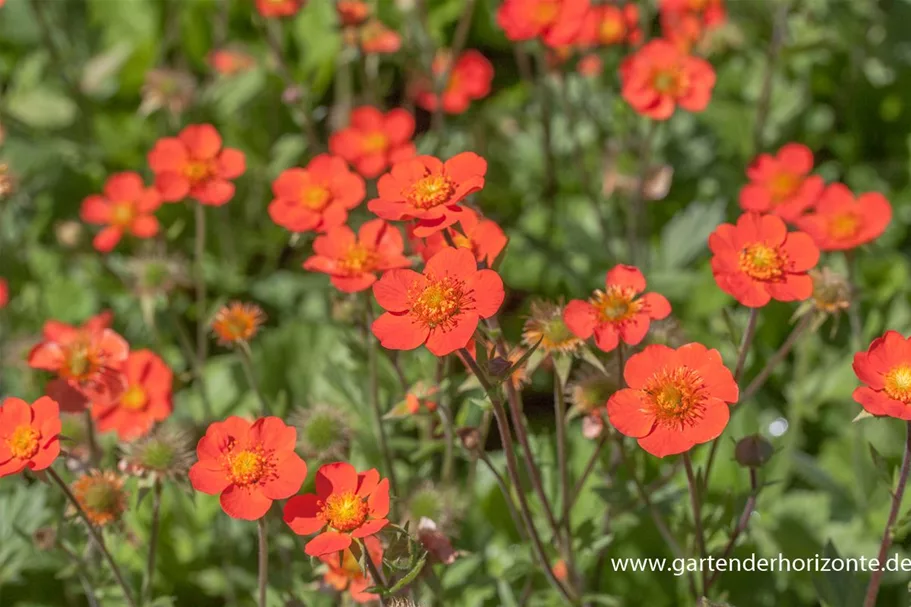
<point x="753" y="451"/>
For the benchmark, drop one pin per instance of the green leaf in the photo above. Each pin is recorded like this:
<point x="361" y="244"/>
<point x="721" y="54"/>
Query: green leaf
<point x="882" y="466"/>
<point x="685" y="236"/>
<point x="408" y="577"/>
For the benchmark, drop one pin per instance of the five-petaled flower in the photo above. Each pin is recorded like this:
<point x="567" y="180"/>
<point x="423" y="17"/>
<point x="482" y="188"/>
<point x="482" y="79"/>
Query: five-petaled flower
<point x="659" y="77"/>
<point x="195" y="164"/>
<point x="481" y="236"/>
<point x="840" y="221"/>
<point x="885" y="368"/>
<point x="29" y="435"/>
<point x="441" y="307"/>
<point x="127" y="206"/>
<point x="469" y="80"/>
<point x="685" y="22"/>
<point x="377" y="39"/>
<point x="428" y="190"/>
<point x="346" y="506"/>
<point x="352" y="261"/>
<point x="145" y="401"/>
<point x="782" y="184"/>
<point x="758" y="260"/>
<point x="610" y="24"/>
<point x="316" y="198"/>
<point x="676" y="399"/>
<point x="344" y="571"/>
<point x="278" y="8"/>
<point x="617" y="313"/>
<point x="250" y="465"/>
<point x="373" y="141"/>
<point x="556" y="22"/>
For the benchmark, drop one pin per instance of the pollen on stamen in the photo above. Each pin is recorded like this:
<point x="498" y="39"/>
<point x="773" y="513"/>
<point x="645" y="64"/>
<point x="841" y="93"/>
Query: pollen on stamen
<point x="439" y="302"/>
<point x="762" y="262"/>
<point x="431" y="191"/>
<point x="24" y="442"/>
<point x="898" y="384"/>
<point x="345" y="511"/>
<point x="676" y="396"/>
<point x="617" y="304"/>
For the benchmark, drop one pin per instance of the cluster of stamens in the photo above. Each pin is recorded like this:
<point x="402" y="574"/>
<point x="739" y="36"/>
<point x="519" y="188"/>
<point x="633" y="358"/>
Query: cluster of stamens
<point x="844" y="225"/>
<point x="437" y="303"/>
<point x="122" y="214"/>
<point x="344" y="511"/>
<point x="430" y="191"/>
<point x="676" y="396"/>
<point x="898" y="383"/>
<point x="82" y="361"/>
<point x="248" y="466"/>
<point x="358" y="259"/>
<point x="316" y="197"/>
<point x="198" y="171"/>
<point x="762" y="262"/>
<point x="375" y="142"/>
<point x="669" y="81"/>
<point x="24" y="442"/>
<point x="134" y="398"/>
<point x="782" y="186"/>
<point x="616" y="304"/>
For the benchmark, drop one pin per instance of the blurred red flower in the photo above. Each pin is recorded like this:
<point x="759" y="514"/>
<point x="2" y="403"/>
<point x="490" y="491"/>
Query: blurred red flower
<point x="441" y="307"/>
<point x="228" y="62"/>
<point x="316" y="198"/>
<point x="376" y="38"/>
<point x="556" y="22"/>
<point x="250" y="465"/>
<point x="885" y="368"/>
<point x="840" y="222"/>
<point x="127" y="206"/>
<point x="659" y="77"/>
<point x="352" y="12"/>
<point x="676" y="399"/>
<point x="345" y="573"/>
<point x="353" y="261"/>
<point x="481" y="236"/>
<point x="610" y="24"/>
<point x="29" y="435"/>
<point x="349" y="504"/>
<point x="469" y="80"/>
<point x="195" y="164"/>
<point x="685" y="22"/>
<point x="617" y="313"/>
<point x="145" y="401"/>
<point x="782" y="184"/>
<point x="279" y="8"/>
<point x="758" y="260"/>
<point x="590" y="65"/>
<point x="428" y="190"/>
<point x="4" y="293"/>
<point x="373" y="141"/>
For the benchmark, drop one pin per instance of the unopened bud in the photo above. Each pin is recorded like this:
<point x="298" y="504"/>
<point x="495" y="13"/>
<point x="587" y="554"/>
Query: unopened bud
<point x="498" y="366"/>
<point x="753" y="451"/>
<point x="470" y="437"/>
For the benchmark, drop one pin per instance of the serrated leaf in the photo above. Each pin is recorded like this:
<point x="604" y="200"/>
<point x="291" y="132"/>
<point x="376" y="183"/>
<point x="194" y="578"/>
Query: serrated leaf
<point x="882" y="465"/>
<point x="408" y="577"/>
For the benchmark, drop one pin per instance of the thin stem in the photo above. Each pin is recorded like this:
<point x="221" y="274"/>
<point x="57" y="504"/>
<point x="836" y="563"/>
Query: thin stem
<point x="183" y="338"/>
<point x="92" y="438"/>
<point x="448" y="417"/>
<point x="374" y="395"/>
<point x="776" y="359"/>
<point x="742" y="524"/>
<point x="748" y="336"/>
<point x="458" y="43"/>
<point x="199" y="251"/>
<point x="96" y="538"/>
<point x="876" y="578"/>
<point x="853" y="309"/>
<point x="696" y="501"/>
<point x="145" y="594"/>
<point x="563" y="468"/>
<point x="263" y="561"/>
<point x="550" y="160"/>
<point x="246" y="361"/>
<point x="507" y="495"/>
<point x="375" y="573"/>
<point x="580" y="484"/>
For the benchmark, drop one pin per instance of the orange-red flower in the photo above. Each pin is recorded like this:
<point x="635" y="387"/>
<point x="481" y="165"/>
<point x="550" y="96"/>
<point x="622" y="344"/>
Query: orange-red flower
<point x="87" y="361"/>
<point x="617" y="313"/>
<point x="101" y="496"/>
<point x="610" y="24"/>
<point x="377" y="39"/>
<point x="353" y="261"/>
<point x="237" y="322"/>
<point x="685" y="22"/>
<point x="469" y="80"/>
<point x="428" y="190"/>
<point x="481" y="236"/>
<point x="885" y="368"/>
<point x="127" y="206"/>
<point x="758" y="260"/>
<point x="29" y="435"/>
<point x="352" y="12"/>
<point x="4" y="293"/>
<point x="250" y="465"/>
<point x="840" y="222"/>
<point x="278" y="8"/>
<point x="228" y="62"/>
<point x="441" y="307"/>
<point x="590" y="65"/>
<point x="373" y="141"/>
<point x="556" y="22"/>
<point x="782" y="184"/>
<point x="195" y="164"/>
<point x="345" y="573"/>
<point x="346" y="505"/>
<point x="316" y="198"/>
<point x="146" y="399"/>
<point x="676" y="398"/>
<point x="659" y="77"/>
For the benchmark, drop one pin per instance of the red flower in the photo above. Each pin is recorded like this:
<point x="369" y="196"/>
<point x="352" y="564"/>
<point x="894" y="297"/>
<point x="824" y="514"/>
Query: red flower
<point x="782" y="184"/>
<point x="428" y="190"/>
<point x="228" y="62"/>
<point x="87" y="361"/>
<point x="556" y="22"/>
<point x="346" y="505"/>
<point x="685" y="22"/>
<point x="441" y="307"/>
<point x="352" y="12"/>
<point x="126" y="206"/>
<point x="676" y="398"/>
<point x="609" y="24"/>
<point x="29" y="435"/>
<point x="345" y="573"/>
<point x="886" y="370"/>
<point x="616" y="313"/>
<point x="377" y="39"/>
<point x="659" y="77"/>
<point x="469" y="80"/>
<point x="373" y="140"/>
<point x="758" y="260"/>
<point x="278" y="8"/>
<point x="146" y="400"/>
<point x="4" y="293"/>
<point x="316" y="198"/>
<point x="250" y="465"/>
<point x="194" y="164"/>
<point x="590" y="65"/>
<point x="841" y="222"/>
<point x="353" y="261"/>
<point x="483" y="237"/>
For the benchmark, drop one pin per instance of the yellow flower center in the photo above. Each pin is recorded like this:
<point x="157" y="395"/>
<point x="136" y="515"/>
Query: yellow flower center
<point x="545" y="12"/>
<point x="844" y="225"/>
<point x="316" y="197"/>
<point x="782" y="186"/>
<point x="247" y="467"/>
<point x="122" y="214"/>
<point x="611" y="31"/>
<point x="438" y="302"/>
<point x="668" y="81"/>
<point x="198" y="171"/>
<point x="762" y="262"/>
<point x="23" y="443"/>
<point x="431" y="191"/>
<point x="898" y="383"/>
<point x="675" y="396"/>
<point x="358" y="259"/>
<point x="79" y="361"/>
<point x="375" y="142"/>
<point x="135" y="398"/>
<point x="616" y="304"/>
<point x="344" y="511"/>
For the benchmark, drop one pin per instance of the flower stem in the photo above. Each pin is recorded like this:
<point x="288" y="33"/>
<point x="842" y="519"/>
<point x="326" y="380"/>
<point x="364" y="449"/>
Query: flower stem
<point x="263" y="561"/>
<point x="563" y="468"/>
<point x="741" y="524"/>
<point x="246" y="361"/>
<point x="507" y="495"/>
<point x="447" y="415"/>
<point x="373" y="391"/>
<point x="775" y="359"/>
<point x="96" y="537"/>
<point x="876" y="578"/>
<point x="695" y="499"/>
<point x="375" y="573"/>
<point x="92" y="438"/>
<point x="145" y="594"/>
<point x="580" y="484"/>
<point x="199" y="251"/>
